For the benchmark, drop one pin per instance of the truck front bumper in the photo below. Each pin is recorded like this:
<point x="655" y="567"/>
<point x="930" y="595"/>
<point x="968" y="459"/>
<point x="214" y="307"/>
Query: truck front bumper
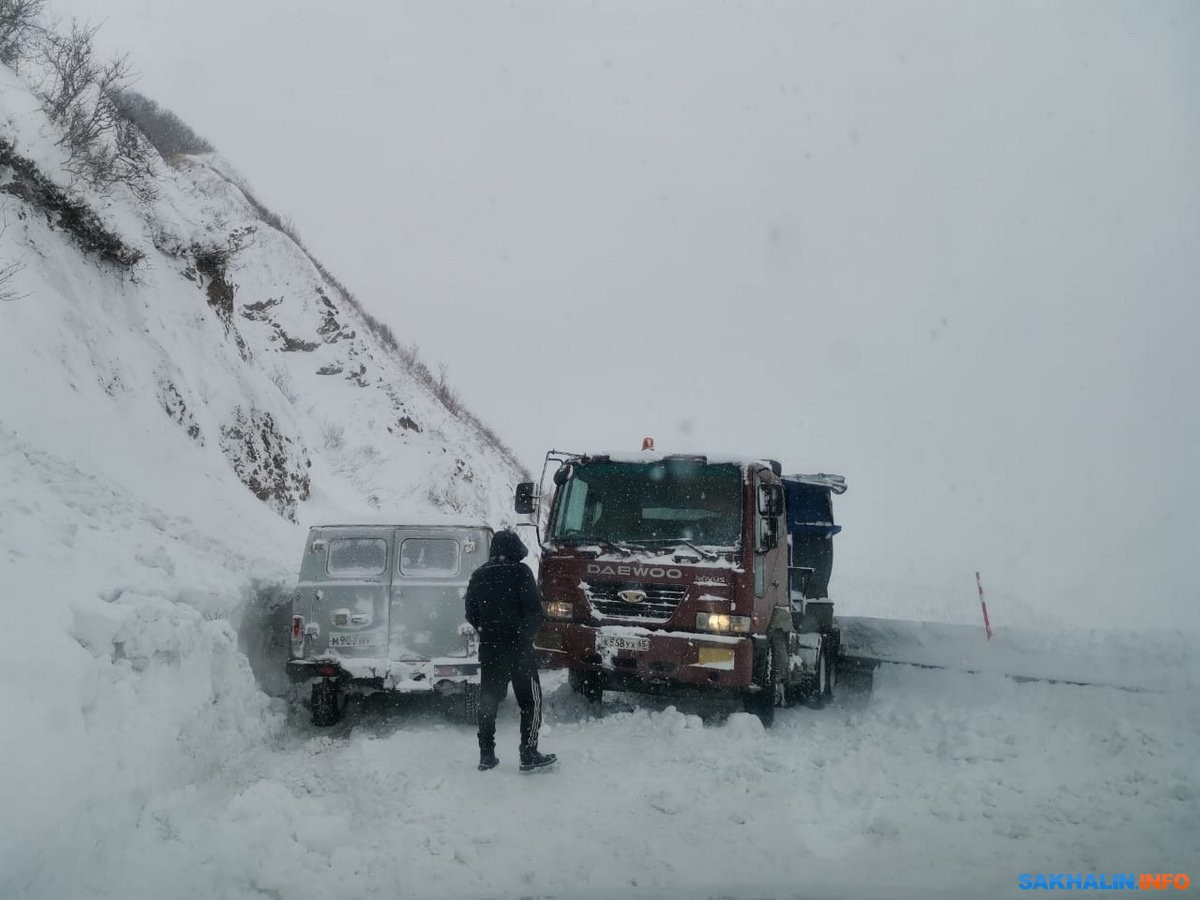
<point x="635" y="658"/>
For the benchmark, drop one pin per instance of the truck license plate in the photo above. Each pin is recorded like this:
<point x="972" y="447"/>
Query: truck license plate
<point x="352" y="640"/>
<point x="620" y="642"/>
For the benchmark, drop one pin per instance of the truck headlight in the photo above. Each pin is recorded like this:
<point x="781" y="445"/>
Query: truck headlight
<point x="722" y="623"/>
<point x="560" y="609"/>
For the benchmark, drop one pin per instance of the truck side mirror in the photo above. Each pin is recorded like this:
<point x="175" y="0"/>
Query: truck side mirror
<point x="525" y="499"/>
<point x="770" y="500"/>
<point x="770" y="539"/>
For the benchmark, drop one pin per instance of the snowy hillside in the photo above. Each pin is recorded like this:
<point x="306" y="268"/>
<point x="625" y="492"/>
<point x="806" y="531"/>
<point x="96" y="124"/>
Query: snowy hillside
<point x="184" y="393"/>
<point x="226" y="329"/>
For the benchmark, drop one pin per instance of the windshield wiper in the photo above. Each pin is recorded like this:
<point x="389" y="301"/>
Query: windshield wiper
<point x="704" y="554"/>
<point x="618" y="547"/>
<point x="576" y="540"/>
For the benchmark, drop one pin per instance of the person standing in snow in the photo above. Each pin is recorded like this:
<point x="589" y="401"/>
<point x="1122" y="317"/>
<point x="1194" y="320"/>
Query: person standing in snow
<point x="505" y="608"/>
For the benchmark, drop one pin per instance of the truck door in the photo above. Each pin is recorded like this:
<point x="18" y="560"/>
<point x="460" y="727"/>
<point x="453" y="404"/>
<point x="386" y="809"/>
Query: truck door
<point x="430" y="576"/>
<point x="770" y="557"/>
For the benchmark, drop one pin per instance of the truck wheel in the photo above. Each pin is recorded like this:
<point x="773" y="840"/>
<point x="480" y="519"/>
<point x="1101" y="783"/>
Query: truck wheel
<point x="762" y="702"/>
<point x="326" y="706"/>
<point x="781" y="662"/>
<point x="470" y="704"/>
<point x="820" y="690"/>
<point x="589" y="684"/>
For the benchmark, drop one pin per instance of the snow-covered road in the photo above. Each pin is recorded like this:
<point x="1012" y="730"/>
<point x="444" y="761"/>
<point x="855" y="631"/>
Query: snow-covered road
<point x="142" y="760"/>
<point x="938" y="784"/>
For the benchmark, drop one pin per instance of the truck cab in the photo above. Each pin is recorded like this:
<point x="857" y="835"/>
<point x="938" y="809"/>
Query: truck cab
<point x="379" y="607"/>
<point x="675" y="573"/>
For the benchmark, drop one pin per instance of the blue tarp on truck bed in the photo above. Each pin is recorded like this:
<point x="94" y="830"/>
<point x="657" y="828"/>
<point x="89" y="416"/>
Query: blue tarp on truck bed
<point x="809" y="504"/>
<point x="810" y="531"/>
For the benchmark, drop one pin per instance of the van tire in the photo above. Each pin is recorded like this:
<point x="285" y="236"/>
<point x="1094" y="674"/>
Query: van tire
<point x="470" y="704"/>
<point x="326" y="703"/>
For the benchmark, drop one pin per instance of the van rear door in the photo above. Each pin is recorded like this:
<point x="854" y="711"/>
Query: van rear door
<point x="429" y="580"/>
<point x="347" y="578"/>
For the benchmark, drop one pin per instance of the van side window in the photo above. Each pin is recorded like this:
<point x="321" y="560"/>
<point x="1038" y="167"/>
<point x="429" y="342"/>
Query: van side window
<point x="357" y="558"/>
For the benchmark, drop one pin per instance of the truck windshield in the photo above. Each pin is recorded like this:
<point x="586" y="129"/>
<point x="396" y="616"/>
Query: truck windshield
<point x="660" y="501"/>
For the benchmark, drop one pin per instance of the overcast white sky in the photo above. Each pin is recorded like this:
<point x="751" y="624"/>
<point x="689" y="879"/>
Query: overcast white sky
<point x="949" y="249"/>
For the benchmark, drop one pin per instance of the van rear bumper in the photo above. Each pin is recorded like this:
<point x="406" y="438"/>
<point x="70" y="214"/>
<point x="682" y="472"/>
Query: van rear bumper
<point x="446" y="675"/>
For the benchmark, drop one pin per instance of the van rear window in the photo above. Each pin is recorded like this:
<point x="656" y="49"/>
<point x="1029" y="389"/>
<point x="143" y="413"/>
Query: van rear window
<point x="357" y="558"/>
<point x="430" y="557"/>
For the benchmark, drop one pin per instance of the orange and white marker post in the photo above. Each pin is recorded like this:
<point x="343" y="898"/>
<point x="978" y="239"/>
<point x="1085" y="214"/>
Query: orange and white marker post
<point x="987" y="626"/>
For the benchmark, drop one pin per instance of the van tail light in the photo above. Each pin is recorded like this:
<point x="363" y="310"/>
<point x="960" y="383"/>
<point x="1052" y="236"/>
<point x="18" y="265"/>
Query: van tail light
<point x="327" y="670"/>
<point x="297" y="626"/>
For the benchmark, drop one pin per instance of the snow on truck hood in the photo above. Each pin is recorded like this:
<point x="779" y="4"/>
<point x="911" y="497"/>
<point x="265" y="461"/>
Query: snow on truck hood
<point x="647" y="558"/>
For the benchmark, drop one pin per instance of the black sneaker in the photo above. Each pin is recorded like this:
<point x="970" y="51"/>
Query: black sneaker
<point x="531" y="760"/>
<point x="487" y="760"/>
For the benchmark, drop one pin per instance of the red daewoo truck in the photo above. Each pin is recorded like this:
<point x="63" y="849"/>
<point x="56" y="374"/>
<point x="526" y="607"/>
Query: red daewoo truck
<point x="684" y="573"/>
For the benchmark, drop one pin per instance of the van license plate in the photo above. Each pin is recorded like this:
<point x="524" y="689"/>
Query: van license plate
<point x="352" y="640"/>
<point x="620" y="642"/>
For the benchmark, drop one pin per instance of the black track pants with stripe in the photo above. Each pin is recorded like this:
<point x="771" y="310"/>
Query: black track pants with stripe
<point x="499" y="665"/>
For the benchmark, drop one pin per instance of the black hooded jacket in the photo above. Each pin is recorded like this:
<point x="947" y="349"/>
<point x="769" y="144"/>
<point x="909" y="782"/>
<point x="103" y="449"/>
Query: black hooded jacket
<point x="503" y="603"/>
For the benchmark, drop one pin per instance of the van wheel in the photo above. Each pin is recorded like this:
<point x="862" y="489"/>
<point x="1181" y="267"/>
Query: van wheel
<point x="470" y="704"/>
<point x="326" y="705"/>
<point x="589" y="684"/>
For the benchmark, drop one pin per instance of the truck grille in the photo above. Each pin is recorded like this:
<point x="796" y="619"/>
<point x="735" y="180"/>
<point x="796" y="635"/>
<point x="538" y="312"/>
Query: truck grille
<point x="660" y="604"/>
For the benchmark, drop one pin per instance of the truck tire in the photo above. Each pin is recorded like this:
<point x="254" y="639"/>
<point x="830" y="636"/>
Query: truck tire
<point x="326" y="703"/>
<point x="820" y="686"/>
<point x="781" y="662"/>
<point x="761" y="703"/>
<point x="588" y="684"/>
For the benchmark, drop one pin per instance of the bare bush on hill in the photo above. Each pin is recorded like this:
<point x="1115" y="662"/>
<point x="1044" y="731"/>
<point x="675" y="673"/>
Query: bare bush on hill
<point x="77" y="88"/>
<point x="20" y="23"/>
<point x="9" y="271"/>
<point x="169" y="134"/>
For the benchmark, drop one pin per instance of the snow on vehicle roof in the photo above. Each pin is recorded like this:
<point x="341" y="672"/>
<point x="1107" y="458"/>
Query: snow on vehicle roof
<point x="419" y="520"/>
<point x="647" y="456"/>
<point x="836" y="483"/>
